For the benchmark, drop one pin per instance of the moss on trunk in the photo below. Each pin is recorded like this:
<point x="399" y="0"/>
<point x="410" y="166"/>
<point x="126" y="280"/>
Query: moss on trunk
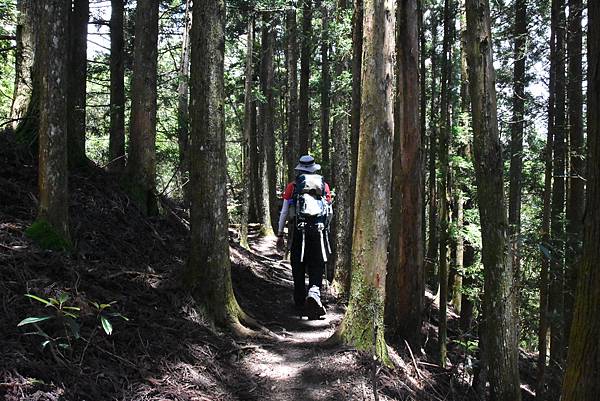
<point x="48" y="237"/>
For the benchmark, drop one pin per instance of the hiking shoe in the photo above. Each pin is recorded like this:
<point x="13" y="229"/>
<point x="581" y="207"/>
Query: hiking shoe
<point x="313" y="307"/>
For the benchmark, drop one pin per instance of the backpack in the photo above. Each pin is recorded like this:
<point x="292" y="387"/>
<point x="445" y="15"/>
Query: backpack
<point x="310" y="201"/>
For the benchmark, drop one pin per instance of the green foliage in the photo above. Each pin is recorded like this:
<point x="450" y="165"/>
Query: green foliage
<point x="46" y="236"/>
<point x="62" y="335"/>
<point x="104" y="315"/>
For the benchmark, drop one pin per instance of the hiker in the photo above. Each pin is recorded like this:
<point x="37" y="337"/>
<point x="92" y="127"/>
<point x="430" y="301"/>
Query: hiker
<point x="307" y="204"/>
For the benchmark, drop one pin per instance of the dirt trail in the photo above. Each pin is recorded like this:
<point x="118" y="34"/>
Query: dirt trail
<point x="297" y="367"/>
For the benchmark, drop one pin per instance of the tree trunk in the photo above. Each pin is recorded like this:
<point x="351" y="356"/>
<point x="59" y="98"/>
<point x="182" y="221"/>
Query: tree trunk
<point x="357" y="45"/>
<point x="208" y="272"/>
<point x="78" y="24"/>
<point x="183" y="116"/>
<point x="500" y="340"/>
<point x="467" y="304"/>
<point x="458" y="277"/>
<point x="423" y="122"/>
<point x="27" y="31"/>
<point x="556" y="294"/>
<point x="256" y="181"/>
<point x="52" y="222"/>
<point x="267" y="164"/>
<point x="465" y="254"/>
<point x="545" y="243"/>
<point x="404" y="282"/>
<point x="342" y="179"/>
<point x="141" y="164"/>
<point x="432" y="246"/>
<point x="247" y="155"/>
<point x="575" y="203"/>
<point x="362" y="325"/>
<point x="583" y="364"/>
<point x="293" y="145"/>
<point x="325" y="90"/>
<point x="116" y="146"/>
<point x="516" y="135"/>
<point x="305" y="57"/>
<point x="444" y="187"/>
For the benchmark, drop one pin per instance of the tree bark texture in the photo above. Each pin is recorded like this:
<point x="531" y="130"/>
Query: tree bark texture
<point x="342" y="179"/>
<point x="183" y="116"/>
<point x="293" y="145"/>
<point x="304" y="127"/>
<point x="499" y="300"/>
<point x="116" y="142"/>
<point x="267" y="164"/>
<point x="467" y="303"/>
<point x="575" y="196"/>
<point x="545" y="244"/>
<point x="208" y="269"/>
<point x="325" y="93"/>
<point x="256" y="188"/>
<point x="423" y="115"/>
<point x="141" y="164"/>
<point x="583" y="365"/>
<point x="405" y="276"/>
<point x="557" y="229"/>
<point x="433" y="239"/>
<point x="52" y="174"/>
<point x="516" y="134"/>
<point x="357" y="44"/>
<point x="27" y="31"/>
<point x="78" y="24"/>
<point x="444" y="182"/>
<point x="362" y="325"/>
<point x="247" y="155"/>
<point x="457" y="289"/>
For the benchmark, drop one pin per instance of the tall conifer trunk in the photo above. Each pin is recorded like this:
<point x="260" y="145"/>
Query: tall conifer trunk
<point x="247" y="155"/>
<point x="444" y="183"/>
<point x="208" y="273"/>
<point x="183" y="101"/>
<point x="575" y="202"/>
<point x="116" y="142"/>
<point x="556" y="289"/>
<point x="28" y="24"/>
<point x="405" y="279"/>
<point x="357" y="45"/>
<point x="53" y="211"/>
<point x="362" y="325"/>
<point x="141" y="164"/>
<point x="325" y="93"/>
<point x="305" y="130"/>
<point x="342" y="166"/>
<point x="516" y="132"/>
<point x="583" y="364"/>
<point x="546" y="209"/>
<point x="267" y="162"/>
<point x="78" y="24"/>
<point x="500" y="342"/>
<point x="432" y="245"/>
<point x="25" y="107"/>
<point x="293" y="144"/>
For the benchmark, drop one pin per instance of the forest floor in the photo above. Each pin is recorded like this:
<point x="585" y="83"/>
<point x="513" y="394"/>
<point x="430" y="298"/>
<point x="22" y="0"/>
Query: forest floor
<point x="166" y="350"/>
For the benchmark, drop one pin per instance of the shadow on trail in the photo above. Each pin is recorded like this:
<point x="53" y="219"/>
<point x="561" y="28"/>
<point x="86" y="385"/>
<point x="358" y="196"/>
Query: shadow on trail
<point x="297" y="367"/>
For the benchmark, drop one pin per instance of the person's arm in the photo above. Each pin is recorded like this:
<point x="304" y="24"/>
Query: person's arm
<point x="283" y="217"/>
<point x="287" y="198"/>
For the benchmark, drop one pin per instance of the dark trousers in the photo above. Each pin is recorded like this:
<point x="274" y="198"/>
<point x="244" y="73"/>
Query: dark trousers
<point x="313" y="264"/>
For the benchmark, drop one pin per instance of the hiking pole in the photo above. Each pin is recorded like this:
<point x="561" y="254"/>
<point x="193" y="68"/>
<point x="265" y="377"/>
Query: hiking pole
<point x="326" y="295"/>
